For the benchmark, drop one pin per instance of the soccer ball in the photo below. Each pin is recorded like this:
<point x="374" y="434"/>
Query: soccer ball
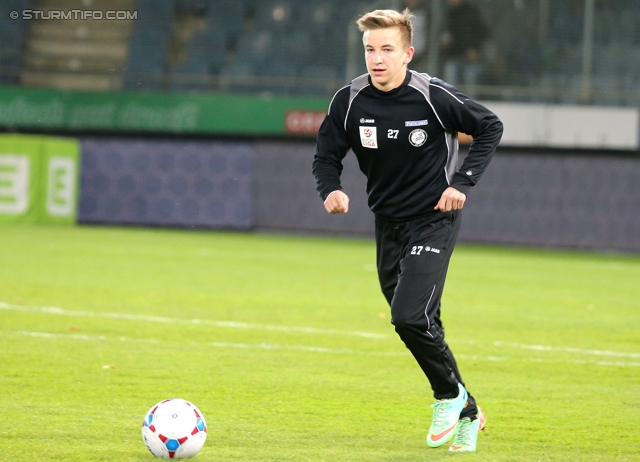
<point x="174" y="429"/>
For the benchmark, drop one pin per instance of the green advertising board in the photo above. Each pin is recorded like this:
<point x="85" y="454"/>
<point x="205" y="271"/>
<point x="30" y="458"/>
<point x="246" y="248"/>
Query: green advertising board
<point x="38" y="179"/>
<point x="178" y="113"/>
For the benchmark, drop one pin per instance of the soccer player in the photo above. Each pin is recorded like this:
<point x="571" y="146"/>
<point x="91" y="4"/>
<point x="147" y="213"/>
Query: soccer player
<point x="402" y="126"/>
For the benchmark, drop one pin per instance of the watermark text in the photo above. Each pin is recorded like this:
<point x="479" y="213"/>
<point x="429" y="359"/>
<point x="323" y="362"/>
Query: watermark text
<point x="98" y="15"/>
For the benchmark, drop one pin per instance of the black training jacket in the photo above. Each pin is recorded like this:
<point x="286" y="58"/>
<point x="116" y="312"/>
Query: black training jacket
<point x="406" y="143"/>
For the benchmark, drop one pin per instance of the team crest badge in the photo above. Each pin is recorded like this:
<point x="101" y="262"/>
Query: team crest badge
<point x="417" y="137"/>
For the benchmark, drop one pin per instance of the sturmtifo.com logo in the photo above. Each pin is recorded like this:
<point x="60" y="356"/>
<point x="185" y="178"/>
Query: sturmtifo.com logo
<point x="109" y="15"/>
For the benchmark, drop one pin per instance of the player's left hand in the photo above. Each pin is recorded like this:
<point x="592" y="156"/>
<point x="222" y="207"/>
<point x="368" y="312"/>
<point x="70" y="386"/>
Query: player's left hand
<point x="451" y="199"/>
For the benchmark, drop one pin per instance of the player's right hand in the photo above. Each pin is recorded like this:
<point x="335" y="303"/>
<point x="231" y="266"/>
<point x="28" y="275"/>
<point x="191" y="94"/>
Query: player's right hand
<point x="337" y="202"/>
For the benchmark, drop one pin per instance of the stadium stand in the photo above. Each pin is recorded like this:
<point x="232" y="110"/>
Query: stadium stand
<point x="149" y="45"/>
<point x="74" y="53"/>
<point x="297" y="47"/>
<point x="12" y="34"/>
<point x="205" y="55"/>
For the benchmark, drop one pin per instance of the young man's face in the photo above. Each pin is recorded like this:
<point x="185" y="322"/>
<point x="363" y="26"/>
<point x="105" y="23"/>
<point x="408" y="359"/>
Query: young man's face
<point x="386" y="57"/>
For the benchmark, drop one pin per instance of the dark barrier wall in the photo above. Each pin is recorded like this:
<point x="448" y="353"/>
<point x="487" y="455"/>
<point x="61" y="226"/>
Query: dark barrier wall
<point x="557" y="200"/>
<point x="285" y="194"/>
<point x="171" y="183"/>
<point x="536" y="198"/>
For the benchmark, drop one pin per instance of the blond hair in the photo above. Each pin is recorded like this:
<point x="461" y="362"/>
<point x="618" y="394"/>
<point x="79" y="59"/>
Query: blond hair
<point x="382" y="19"/>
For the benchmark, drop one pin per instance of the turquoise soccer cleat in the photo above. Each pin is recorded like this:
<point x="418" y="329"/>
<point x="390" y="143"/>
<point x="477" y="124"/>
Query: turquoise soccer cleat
<point x="446" y="413"/>
<point x="467" y="433"/>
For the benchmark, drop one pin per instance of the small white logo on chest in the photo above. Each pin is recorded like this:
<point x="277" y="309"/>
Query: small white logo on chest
<point x="416" y="123"/>
<point x="417" y="137"/>
<point x="369" y="137"/>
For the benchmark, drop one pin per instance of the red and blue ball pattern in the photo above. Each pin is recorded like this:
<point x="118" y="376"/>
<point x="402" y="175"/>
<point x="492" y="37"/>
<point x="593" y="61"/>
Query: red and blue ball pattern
<point x="172" y="443"/>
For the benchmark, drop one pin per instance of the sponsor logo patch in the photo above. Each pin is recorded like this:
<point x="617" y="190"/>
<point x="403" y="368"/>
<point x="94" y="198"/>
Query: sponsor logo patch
<point x="417" y="137"/>
<point x="416" y="123"/>
<point x="367" y="121"/>
<point x="369" y="137"/>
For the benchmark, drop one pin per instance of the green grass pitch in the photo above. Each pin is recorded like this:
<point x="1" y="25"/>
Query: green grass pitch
<point x="285" y="345"/>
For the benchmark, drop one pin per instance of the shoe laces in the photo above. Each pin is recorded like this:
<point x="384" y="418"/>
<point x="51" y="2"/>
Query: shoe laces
<point x="440" y="412"/>
<point x="464" y="430"/>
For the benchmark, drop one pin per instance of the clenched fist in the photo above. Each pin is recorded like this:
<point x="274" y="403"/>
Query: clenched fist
<point x="337" y="202"/>
<point x="451" y="199"/>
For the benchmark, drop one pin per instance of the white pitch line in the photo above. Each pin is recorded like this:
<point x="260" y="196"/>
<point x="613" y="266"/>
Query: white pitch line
<point x="246" y="346"/>
<point x="267" y="346"/>
<point x="312" y="330"/>
<point x="312" y="349"/>
<point x="521" y="346"/>
<point x="84" y="337"/>
<point x="54" y="310"/>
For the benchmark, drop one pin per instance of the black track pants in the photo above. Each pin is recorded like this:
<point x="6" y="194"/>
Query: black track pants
<point x="413" y="258"/>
